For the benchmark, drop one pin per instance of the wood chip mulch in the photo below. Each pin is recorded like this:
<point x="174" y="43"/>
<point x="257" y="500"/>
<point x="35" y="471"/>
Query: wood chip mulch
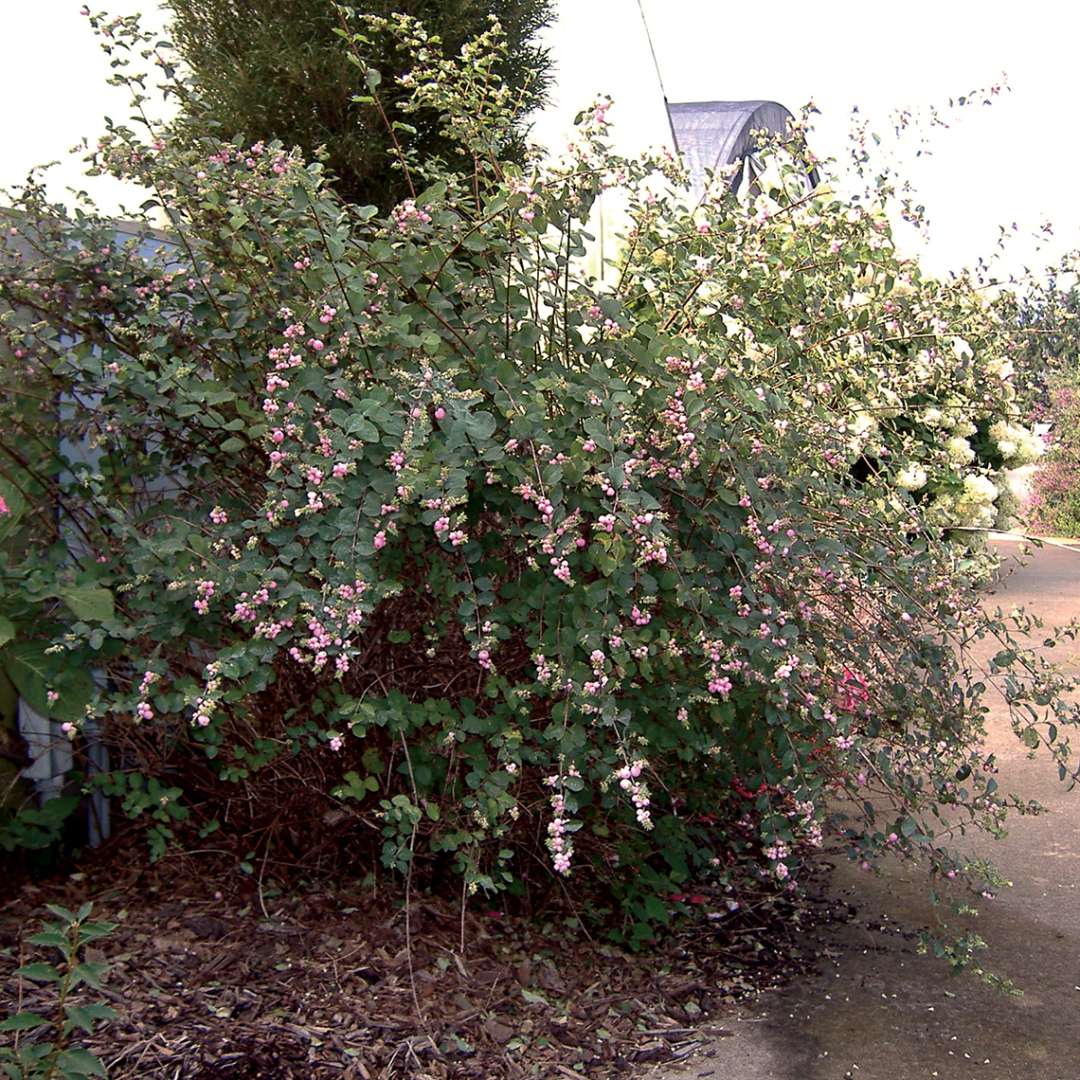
<point x="337" y="982"/>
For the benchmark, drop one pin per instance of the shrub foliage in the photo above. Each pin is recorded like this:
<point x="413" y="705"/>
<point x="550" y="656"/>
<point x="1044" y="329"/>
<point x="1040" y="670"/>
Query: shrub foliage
<point x="401" y="531"/>
<point x="1055" y="496"/>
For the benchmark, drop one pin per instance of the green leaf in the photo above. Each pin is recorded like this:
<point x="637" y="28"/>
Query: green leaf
<point x="29" y="669"/>
<point x="85" y="1016"/>
<point x="35" y="672"/>
<point x="7" y="630"/>
<point x="51" y="938"/>
<point x="23" y="1021"/>
<point x="527" y="337"/>
<point x="39" y="972"/>
<point x="480" y="425"/>
<point x="80" y="1063"/>
<point x="435" y="193"/>
<point x="90" y="974"/>
<point x="89" y="602"/>
<point x="656" y="909"/>
<point x="597" y="431"/>
<point x="100" y="1012"/>
<point x="91" y="931"/>
<point x="364" y="429"/>
<point x="231" y="446"/>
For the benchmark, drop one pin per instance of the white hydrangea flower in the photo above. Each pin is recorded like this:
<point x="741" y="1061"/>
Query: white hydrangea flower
<point x="973" y="508"/>
<point x="961" y="349"/>
<point x="979" y="488"/>
<point x="1030" y="448"/>
<point x="911" y="477"/>
<point x="1017" y="444"/>
<point x="942" y="511"/>
<point x="959" y="450"/>
<point x="981" y="517"/>
<point x="932" y="417"/>
<point x="1001" y="366"/>
<point x="862" y="428"/>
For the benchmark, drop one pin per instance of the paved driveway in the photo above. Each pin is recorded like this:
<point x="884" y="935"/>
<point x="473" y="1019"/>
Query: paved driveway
<point x="881" y="1012"/>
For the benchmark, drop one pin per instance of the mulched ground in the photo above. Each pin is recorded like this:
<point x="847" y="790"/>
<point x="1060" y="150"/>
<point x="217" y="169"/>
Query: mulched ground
<point x="320" y="982"/>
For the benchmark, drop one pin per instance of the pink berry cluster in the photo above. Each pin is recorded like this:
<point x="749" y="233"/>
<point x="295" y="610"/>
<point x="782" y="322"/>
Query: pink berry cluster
<point x="629" y="778"/>
<point x="407" y="215"/>
<point x="558" y="842"/>
<point x="207" y="702"/>
<point x="143" y="710"/>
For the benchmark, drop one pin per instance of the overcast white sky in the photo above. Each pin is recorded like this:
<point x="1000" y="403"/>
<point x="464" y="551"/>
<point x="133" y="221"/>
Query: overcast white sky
<point x="1016" y="161"/>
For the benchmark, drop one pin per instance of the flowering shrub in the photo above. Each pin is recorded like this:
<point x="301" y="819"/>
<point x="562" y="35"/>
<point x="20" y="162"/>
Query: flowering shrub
<point x="1055" y="497"/>
<point x="939" y="414"/>
<point x="407" y="520"/>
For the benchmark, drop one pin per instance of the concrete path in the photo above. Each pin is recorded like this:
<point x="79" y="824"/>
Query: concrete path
<point x="879" y="1011"/>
